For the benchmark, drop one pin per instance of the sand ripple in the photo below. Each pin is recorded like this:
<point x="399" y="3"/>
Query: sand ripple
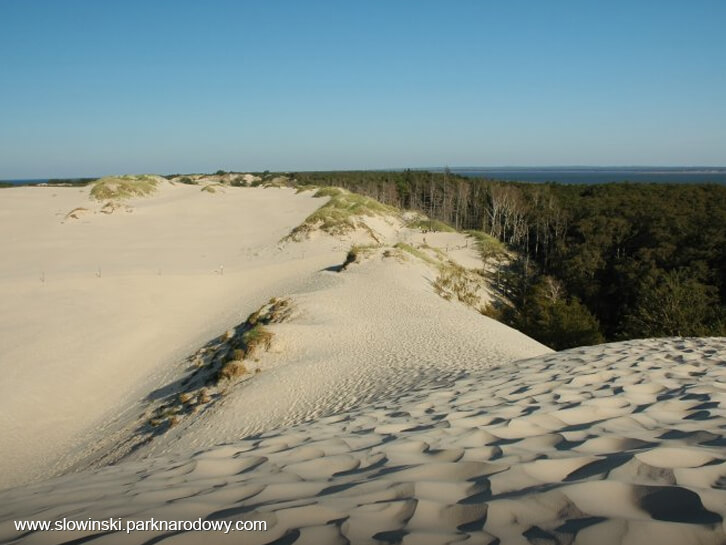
<point x="620" y="443"/>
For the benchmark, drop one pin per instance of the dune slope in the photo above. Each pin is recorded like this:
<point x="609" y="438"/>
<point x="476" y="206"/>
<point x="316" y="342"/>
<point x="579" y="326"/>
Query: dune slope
<point x="619" y="443"/>
<point x="96" y="308"/>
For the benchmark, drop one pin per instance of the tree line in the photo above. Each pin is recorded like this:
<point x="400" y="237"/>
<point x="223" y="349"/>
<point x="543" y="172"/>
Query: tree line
<point x="597" y="262"/>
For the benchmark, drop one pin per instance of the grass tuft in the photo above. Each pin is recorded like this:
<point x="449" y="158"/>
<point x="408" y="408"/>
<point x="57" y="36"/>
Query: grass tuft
<point x="256" y="339"/>
<point x="428" y="225"/>
<point x="124" y="187"/>
<point x="341" y="214"/>
<point x="232" y="370"/>
<point x="488" y="246"/>
<point x="212" y="188"/>
<point x="455" y="281"/>
<point x="420" y="254"/>
<point x="358" y="252"/>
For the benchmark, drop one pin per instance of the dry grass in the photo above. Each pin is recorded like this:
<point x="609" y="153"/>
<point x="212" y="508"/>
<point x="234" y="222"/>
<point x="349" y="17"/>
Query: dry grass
<point x="256" y="339"/>
<point x="357" y="252"/>
<point x="232" y="370"/>
<point x="456" y="282"/>
<point x="212" y="188"/>
<point x="217" y="367"/>
<point x="278" y="181"/>
<point x="418" y="253"/>
<point x="488" y="246"/>
<point x="124" y="187"/>
<point x="76" y="213"/>
<point x="341" y="214"/>
<point x="427" y="225"/>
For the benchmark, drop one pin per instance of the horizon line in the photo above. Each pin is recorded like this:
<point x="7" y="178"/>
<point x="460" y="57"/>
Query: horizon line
<point x="429" y="168"/>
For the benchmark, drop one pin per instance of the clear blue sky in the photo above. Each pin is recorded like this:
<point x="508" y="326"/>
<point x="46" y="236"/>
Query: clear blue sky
<point x="95" y="87"/>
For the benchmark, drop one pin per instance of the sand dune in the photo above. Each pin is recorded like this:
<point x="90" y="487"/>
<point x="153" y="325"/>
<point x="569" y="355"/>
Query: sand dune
<point x="486" y="455"/>
<point x="95" y="309"/>
<point x="381" y="413"/>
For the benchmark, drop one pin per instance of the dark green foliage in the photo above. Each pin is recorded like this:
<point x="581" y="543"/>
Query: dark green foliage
<point x="545" y="313"/>
<point x="674" y="303"/>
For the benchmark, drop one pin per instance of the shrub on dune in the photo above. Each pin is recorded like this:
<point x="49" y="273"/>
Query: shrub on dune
<point x="124" y="187"/>
<point x="341" y="214"/>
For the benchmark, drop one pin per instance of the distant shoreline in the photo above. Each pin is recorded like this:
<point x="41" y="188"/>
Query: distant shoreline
<point x="563" y="175"/>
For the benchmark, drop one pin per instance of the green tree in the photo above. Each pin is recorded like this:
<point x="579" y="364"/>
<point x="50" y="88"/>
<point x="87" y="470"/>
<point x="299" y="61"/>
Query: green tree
<point x="557" y="320"/>
<point x="674" y="303"/>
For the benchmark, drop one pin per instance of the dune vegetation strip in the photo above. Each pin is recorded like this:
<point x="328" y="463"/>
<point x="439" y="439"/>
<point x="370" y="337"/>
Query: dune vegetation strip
<point x="358" y="252"/>
<point x="346" y="212"/>
<point x="124" y="187"/>
<point x="342" y="214"/>
<point x="216" y="367"/>
<point x="453" y="282"/>
<point x="427" y="224"/>
<point x="213" y="188"/>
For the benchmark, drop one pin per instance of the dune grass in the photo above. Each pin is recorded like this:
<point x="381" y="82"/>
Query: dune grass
<point x="212" y="188"/>
<point x="124" y="187"/>
<point x="358" y="252"/>
<point x="455" y="281"/>
<point x="488" y="246"/>
<point x="341" y="213"/>
<point x="431" y="225"/>
<point x="416" y="252"/>
<point x="217" y="367"/>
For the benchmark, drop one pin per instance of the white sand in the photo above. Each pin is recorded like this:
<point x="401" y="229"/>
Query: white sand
<point x="382" y="412"/>
<point x="76" y="348"/>
<point x="436" y="464"/>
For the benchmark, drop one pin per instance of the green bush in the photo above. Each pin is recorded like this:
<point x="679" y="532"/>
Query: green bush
<point x="123" y="187"/>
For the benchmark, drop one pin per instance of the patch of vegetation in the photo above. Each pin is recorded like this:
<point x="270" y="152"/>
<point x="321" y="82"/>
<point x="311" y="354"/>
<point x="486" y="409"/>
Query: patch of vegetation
<point x="256" y="339"/>
<point x="455" y="281"/>
<point x="277" y="181"/>
<point x="544" y="311"/>
<point x="358" y="252"/>
<point x="69" y="182"/>
<point x="416" y="252"/>
<point x="231" y="370"/>
<point x="212" y="188"/>
<point x="124" y="187"/>
<point x="341" y="214"/>
<point x="429" y="225"/>
<point x="488" y="246"/>
<point x="218" y="366"/>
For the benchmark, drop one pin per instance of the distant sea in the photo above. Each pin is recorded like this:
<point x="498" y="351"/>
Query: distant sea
<point x="567" y="175"/>
<point x="598" y="175"/>
<point x="36" y="181"/>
